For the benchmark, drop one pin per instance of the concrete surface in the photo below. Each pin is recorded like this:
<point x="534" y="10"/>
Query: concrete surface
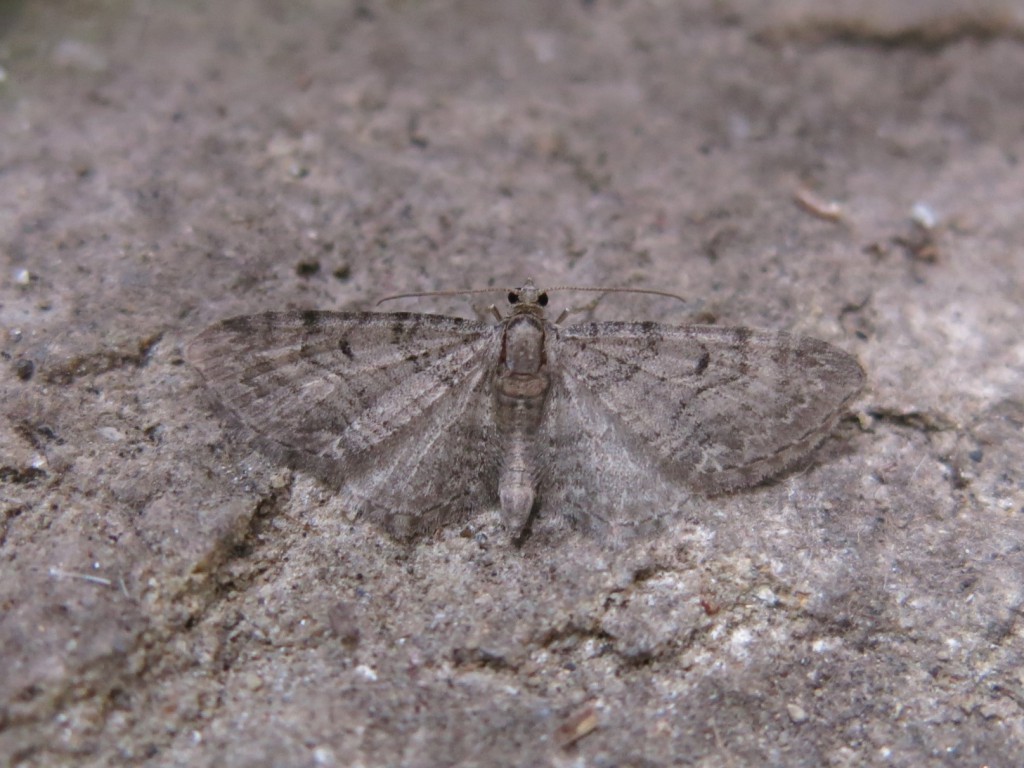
<point x="846" y="170"/>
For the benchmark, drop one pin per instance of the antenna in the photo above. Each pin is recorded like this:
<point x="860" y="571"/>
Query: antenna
<point x="529" y="284"/>
<point x="599" y="289"/>
<point x="420" y="294"/>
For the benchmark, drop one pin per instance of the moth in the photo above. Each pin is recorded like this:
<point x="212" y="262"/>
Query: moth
<point x="420" y="420"/>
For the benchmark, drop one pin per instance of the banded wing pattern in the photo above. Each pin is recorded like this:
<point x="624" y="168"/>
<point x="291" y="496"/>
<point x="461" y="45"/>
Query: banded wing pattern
<point x="382" y="405"/>
<point x="714" y="408"/>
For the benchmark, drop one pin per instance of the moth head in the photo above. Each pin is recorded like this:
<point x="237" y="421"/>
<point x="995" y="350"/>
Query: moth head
<point x="528" y="296"/>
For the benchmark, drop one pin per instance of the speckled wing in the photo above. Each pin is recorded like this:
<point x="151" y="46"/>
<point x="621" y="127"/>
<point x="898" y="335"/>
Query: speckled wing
<point x="594" y="476"/>
<point x="393" y="408"/>
<point x="713" y="408"/>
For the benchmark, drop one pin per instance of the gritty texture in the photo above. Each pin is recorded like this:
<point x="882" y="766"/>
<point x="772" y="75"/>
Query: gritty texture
<point x="422" y="419"/>
<point x="845" y="171"/>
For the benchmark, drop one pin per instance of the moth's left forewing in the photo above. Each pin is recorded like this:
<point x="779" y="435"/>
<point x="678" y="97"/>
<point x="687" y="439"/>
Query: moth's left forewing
<point x="715" y="408"/>
<point x="328" y="392"/>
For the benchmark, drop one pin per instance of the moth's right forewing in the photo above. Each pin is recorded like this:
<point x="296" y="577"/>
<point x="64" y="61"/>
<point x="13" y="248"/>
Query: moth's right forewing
<point x="716" y="408"/>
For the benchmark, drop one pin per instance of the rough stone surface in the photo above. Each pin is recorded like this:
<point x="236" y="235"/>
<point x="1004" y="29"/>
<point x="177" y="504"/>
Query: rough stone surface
<point x="848" y="171"/>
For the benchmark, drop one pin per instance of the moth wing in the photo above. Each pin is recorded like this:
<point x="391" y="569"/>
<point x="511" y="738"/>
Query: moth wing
<point x="593" y="476"/>
<point x="392" y="407"/>
<point x="713" y="408"/>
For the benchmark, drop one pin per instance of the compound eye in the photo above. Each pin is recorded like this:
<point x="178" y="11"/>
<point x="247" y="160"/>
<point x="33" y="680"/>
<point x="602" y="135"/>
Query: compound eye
<point x="542" y="300"/>
<point x="513" y="297"/>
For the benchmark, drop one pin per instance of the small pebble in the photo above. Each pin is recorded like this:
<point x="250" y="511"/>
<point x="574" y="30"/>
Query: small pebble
<point x="796" y="713"/>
